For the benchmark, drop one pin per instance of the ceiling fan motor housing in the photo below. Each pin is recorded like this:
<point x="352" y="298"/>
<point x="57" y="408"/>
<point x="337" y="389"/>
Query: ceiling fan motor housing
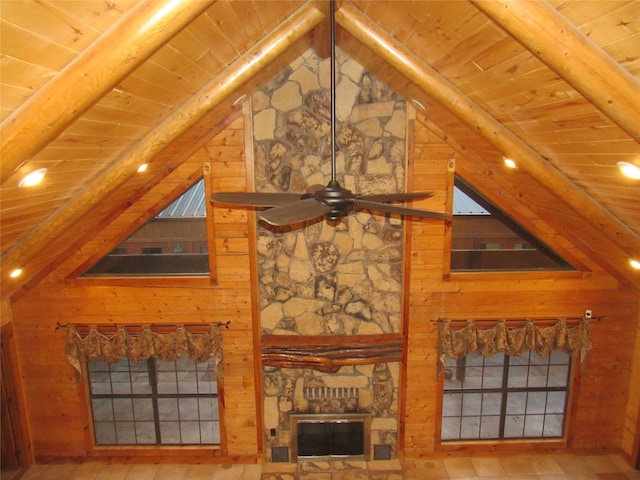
<point x="338" y="198"/>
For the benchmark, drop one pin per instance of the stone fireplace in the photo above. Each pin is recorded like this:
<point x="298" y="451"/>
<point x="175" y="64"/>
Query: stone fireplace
<point x="330" y="294"/>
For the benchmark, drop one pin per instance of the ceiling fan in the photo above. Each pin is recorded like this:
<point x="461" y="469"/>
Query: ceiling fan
<point x="332" y="201"/>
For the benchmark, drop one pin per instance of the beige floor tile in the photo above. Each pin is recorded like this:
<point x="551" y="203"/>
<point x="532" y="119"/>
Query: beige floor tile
<point x="517" y="477"/>
<point x="229" y="472"/>
<point x="572" y="464"/>
<point x="142" y="472"/>
<point x="460" y="467"/>
<point x="621" y="463"/>
<point x="488" y="466"/>
<point x="113" y="472"/>
<point x="252" y="472"/>
<point x="546" y="465"/>
<point x="171" y="471"/>
<point x="202" y="470"/>
<point x="600" y="464"/>
<point x="517" y="465"/>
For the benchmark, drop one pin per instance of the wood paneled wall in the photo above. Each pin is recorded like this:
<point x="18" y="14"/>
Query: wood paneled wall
<point x="597" y="415"/>
<point x="631" y="431"/>
<point x="58" y="413"/>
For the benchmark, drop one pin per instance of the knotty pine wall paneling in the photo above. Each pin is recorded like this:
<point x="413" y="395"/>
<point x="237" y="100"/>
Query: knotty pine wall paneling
<point x="597" y="416"/>
<point x="57" y="406"/>
<point x="630" y="435"/>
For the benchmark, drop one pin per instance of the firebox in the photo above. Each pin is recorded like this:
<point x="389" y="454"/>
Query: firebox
<point x="330" y="435"/>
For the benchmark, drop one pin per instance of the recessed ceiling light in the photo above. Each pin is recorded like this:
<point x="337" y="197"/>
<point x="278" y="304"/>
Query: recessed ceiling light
<point x="635" y="264"/>
<point x="15" y="273"/>
<point x="509" y="163"/>
<point x="33" y="178"/>
<point x="142" y="167"/>
<point x="629" y="169"/>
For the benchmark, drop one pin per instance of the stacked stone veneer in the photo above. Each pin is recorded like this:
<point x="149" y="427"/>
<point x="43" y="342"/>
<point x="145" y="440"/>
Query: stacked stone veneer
<point x="321" y="278"/>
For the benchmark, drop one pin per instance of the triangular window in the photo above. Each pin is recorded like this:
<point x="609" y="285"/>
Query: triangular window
<point x="174" y="242"/>
<point x="485" y="239"/>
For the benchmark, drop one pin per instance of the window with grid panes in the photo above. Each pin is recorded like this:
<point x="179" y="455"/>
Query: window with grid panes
<point x="154" y="402"/>
<point x="502" y="397"/>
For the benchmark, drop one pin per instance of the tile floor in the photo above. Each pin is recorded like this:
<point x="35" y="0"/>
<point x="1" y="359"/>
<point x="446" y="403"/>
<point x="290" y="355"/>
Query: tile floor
<point x="542" y="466"/>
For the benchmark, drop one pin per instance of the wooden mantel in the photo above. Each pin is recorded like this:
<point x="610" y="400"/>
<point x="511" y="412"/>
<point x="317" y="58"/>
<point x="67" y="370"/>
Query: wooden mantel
<point x="328" y="353"/>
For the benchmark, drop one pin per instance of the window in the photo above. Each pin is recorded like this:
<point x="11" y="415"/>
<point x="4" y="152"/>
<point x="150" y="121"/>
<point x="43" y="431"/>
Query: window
<point x="174" y="242"/>
<point x="485" y="239"/>
<point x="154" y="402"/>
<point x="502" y="397"/>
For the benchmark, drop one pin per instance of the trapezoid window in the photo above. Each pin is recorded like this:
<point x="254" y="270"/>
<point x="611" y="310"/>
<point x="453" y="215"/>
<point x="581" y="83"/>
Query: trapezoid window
<point x="173" y="242"/>
<point x="485" y="239"/>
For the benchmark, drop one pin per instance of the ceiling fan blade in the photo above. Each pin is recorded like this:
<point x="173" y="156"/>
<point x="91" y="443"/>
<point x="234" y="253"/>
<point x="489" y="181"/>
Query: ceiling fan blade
<point x="297" y="212"/>
<point x="400" y="210"/>
<point x="396" y="197"/>
<point x="315" y="188"/>
<point x="255" y="199"/>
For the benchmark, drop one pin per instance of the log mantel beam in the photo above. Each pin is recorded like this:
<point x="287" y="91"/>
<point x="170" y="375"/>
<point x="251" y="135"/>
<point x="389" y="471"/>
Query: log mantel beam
<point x="90" y="76"/>
<point x="625" y="242"/>
<point x="571" y="54"/>
<point x="328" y="353"/>
<point x="238" y="73"/>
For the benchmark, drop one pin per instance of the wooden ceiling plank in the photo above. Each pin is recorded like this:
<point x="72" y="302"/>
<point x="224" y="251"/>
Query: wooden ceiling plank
<point x="295" y="27"/>
<point x="99" y="15"/>
<point x="491" y="129"/>
<point x="89" y="76"/>
<point x="47" y="20"/>
<point x="554" y="39"/>
<point x="248" y="18"/>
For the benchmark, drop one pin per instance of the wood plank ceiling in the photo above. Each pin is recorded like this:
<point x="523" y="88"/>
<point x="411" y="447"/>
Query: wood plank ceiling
<point x="91" y="89"/>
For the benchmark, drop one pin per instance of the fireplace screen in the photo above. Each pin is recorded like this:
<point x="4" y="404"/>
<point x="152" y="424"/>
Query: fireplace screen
<point x="330" y="435"/>
<point x="330" y="439"/>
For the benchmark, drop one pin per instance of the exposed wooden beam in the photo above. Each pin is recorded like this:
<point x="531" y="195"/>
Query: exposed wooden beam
<point x="299" y="24"/>
<point x="431" y="82"/>
<point x="571" y="54"/>
<point x="90" y="76"/>
<point x="322" y="33"/>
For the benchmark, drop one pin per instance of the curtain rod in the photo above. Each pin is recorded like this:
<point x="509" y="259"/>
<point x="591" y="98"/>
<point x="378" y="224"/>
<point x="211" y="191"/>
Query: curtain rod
<point x="507" y="319"/>
<point x="83" y="326"/>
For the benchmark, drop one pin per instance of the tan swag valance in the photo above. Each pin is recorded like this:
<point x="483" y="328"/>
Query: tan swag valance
<point x="513" y="341"/>
<point x="140" y="347"/>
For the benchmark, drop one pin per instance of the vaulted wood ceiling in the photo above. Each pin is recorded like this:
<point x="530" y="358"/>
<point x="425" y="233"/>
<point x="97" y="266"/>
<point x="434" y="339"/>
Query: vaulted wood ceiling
<point x="91" y="89"/>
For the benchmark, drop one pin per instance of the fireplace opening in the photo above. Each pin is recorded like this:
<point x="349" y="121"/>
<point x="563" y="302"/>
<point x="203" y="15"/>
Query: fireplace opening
<point x="330" y="439"/>
<point x="330" y="435"/>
